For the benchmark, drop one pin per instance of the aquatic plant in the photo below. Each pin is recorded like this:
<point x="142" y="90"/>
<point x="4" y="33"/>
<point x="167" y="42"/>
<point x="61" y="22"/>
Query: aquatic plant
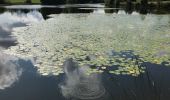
<point x="100" y="41"/>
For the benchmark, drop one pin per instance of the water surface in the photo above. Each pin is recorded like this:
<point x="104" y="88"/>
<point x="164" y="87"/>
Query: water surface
<point x="20" y="79"/>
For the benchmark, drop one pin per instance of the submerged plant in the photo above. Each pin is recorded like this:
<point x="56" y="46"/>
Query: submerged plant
<point x="99" y="41"/>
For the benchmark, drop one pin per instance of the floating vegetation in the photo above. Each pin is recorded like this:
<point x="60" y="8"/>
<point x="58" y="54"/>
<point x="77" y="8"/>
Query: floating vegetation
<point x="100" y="41"/>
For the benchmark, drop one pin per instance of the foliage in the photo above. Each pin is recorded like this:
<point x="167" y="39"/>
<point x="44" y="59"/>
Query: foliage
<point x="28" y="1"/>
<point x="2" y="1"/>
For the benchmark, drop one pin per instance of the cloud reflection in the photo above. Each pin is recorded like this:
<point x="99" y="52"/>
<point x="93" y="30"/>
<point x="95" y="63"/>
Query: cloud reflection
<point x="8" y="20"/>
<point x="78" y="84"/>
<point x="9" y="71"/>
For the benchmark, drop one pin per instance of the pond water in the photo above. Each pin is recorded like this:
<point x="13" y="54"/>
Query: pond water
<point x="20" y="79"/>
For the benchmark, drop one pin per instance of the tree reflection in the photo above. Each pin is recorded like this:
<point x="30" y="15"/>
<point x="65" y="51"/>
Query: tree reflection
<point x="58" y="2"/>
<point x="47" y="11"/>
<point x="2" y="10"/>
<point x="112" y="4"/>
<point x="143" y="6"/>
<point x="129" y="6"/>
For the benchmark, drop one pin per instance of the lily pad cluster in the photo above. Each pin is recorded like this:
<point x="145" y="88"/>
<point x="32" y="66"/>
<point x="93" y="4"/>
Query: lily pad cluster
<point x="101" y="41"/>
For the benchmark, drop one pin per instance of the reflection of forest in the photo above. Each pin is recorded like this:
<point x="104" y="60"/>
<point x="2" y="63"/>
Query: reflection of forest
<point x="143" y="6"/>
<point x="98" y="1"/>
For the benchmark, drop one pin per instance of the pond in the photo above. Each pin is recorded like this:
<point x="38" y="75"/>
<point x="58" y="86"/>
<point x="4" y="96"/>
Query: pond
<point x="83" y="52"/>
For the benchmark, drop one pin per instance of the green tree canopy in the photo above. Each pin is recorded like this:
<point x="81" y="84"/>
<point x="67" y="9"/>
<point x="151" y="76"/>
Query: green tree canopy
<point x="2" y="1"/>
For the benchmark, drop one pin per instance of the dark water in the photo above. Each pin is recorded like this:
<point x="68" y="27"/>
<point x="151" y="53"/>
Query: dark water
<point x="153" y="85"/>
<point x="19" y="79"/>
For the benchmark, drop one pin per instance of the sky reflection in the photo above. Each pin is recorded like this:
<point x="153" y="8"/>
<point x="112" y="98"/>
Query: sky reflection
<point x="9" y="71"/>
<point x="10" y="20"/>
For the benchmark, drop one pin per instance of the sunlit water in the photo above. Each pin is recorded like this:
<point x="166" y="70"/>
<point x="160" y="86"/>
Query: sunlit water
<point x="29" y="73"/>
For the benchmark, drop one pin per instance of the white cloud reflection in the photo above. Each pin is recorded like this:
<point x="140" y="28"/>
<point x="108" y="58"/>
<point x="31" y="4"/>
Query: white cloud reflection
<point x="9" y="71"/>
<point x="77" y="84"/>
<point x="8" y="20"/>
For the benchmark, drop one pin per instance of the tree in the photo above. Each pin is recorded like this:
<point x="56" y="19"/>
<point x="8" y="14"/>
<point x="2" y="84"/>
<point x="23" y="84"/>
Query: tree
<point x="2" y="1"/>
<point x="28" y="1"/>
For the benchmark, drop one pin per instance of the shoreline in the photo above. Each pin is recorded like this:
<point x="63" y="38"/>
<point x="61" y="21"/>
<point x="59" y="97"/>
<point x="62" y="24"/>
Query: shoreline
<point x="122" y="3"/>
